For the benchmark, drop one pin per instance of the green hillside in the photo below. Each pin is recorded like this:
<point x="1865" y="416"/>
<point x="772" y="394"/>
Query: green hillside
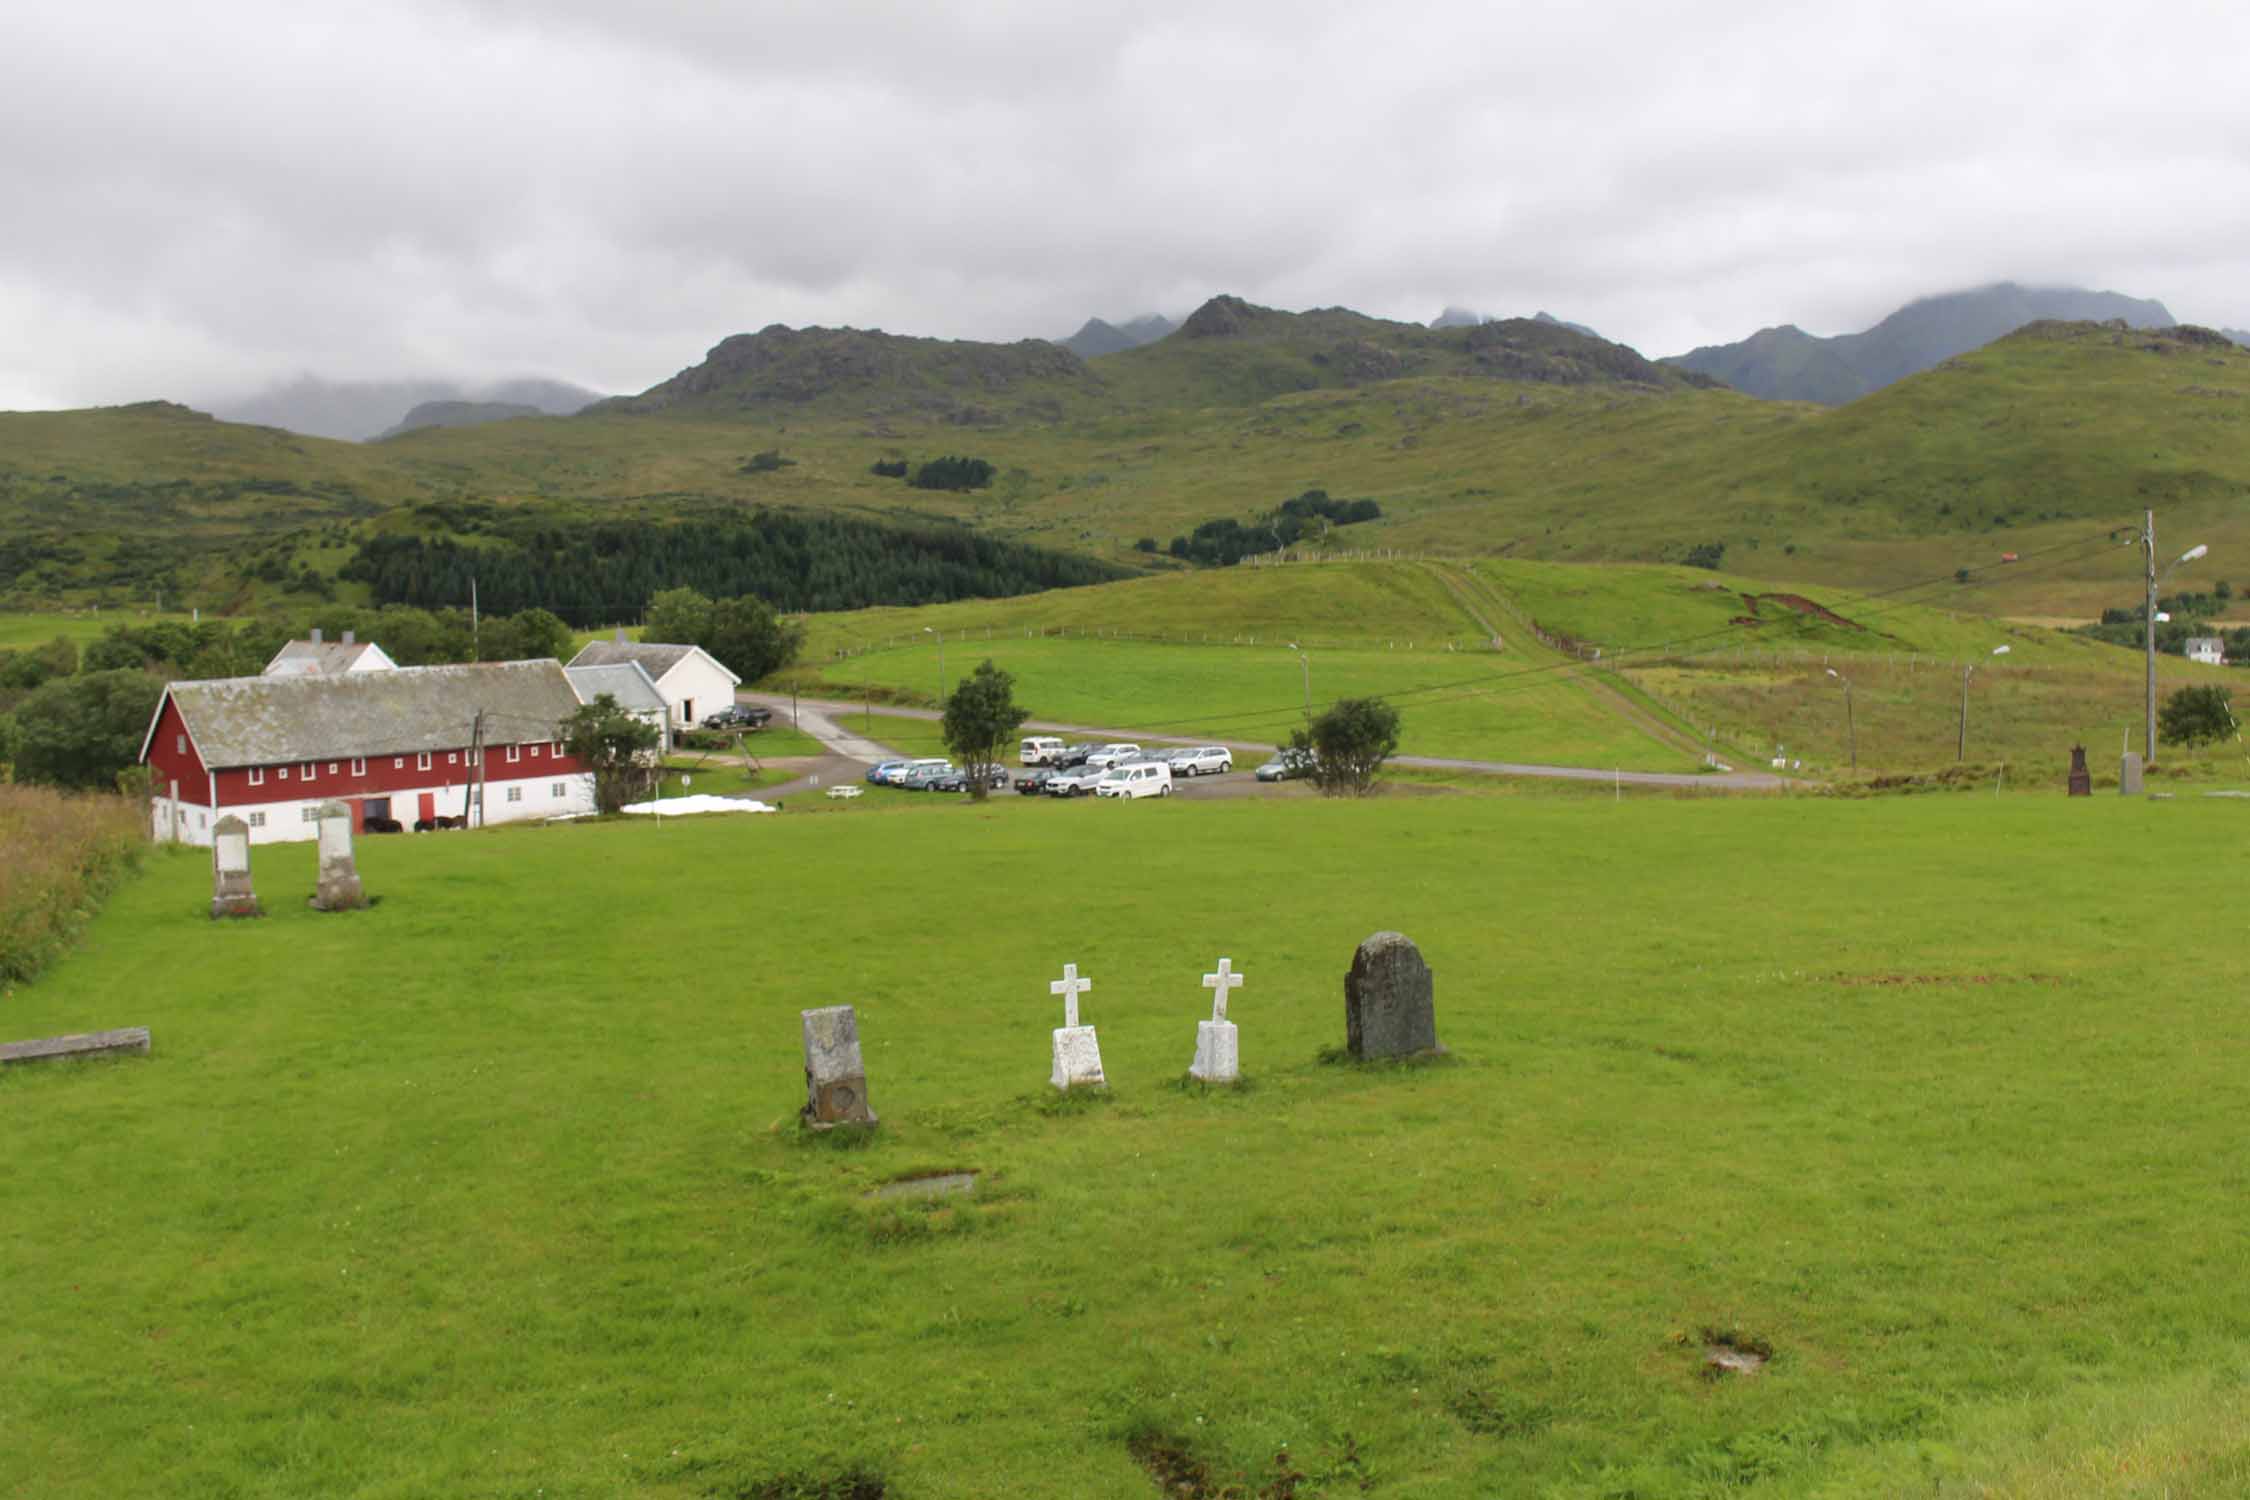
<point x="1541" y="444"/>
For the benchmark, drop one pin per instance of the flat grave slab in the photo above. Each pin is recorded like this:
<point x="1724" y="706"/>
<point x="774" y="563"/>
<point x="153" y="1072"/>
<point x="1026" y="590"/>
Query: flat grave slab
<point x="126" y="1041"/>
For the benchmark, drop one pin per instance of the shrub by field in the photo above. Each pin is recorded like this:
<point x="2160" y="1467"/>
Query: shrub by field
<point x="496" y="1189"/>
<point x="60" y="855"/>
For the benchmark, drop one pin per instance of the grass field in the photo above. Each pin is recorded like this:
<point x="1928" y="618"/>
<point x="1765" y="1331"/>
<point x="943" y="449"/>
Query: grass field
<point x="474" y="1193"/>
<point x="20" y="629"/>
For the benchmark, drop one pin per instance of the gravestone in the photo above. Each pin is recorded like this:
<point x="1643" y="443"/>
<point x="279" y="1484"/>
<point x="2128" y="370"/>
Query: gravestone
<point x="1078" y="1052"/>
<point x="126" y="1040"/>
<point x="1217" y="1057"/>
<point x="2129" y="775"/>
<point x="231" y="895"/>
<point x="1388" y="1006"/>
<point x="835" y="1078"/>
<point x="2081" y="779"/>
<point x="338" y="886"/>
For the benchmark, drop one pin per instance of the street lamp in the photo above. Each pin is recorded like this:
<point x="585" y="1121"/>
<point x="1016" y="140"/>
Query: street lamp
<point x="1306" y="663"/>
<point x="926" y="630"/>
<point x="1851" y="731"/>
<point x="2155" y="581"/>
<point x="1961" y="751"/>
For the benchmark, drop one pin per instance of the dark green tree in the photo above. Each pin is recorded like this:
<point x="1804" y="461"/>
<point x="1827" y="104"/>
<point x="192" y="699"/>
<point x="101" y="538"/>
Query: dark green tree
<point x="2196" y="715"/>
<point x="980" y="718"/>
<point x="744" y="634"/>
<point x="619" y="748"/>
<point x="24" y="670"/>
<point x="1348" y="744"/>
<point x="81" y="731"/>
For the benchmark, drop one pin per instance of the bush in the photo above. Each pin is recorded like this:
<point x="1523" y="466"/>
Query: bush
<point x="1145" y="544"/>
<point x="2197" y="715"/>
<point x="952" y="473"/>
<point x="1349" y="744"/>
<point x="1706" y="555"/>
<point x="767" y="462"/>
<point x="65" y="853"/>
<point x="890" y="468"/>
<point x="81" y="731"/>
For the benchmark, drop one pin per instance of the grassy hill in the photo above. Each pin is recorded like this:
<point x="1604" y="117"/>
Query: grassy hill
<point x="1882" y="1088"/>
<point x="1560" y="450"/>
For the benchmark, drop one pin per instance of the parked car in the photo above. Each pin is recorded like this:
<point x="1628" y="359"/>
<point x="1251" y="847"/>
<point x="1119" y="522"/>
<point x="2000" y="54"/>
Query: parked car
<point x="1134" y="779"/>
<point x="901" y="770"/>
<point x="1071" y="755"/>
<point x="924" y="777"/>
<point x="740" y="716"/>
<point x="1031" y="783"/>
<point x="955" y="780"/>
<point x="1075" y="782"/>
<point x="1203" y="760"/>
<point x="879" y="774"/>
<point x="1039" y="749"/>
<point x="1287" y="765"/>
<point x="1113" y="755"/>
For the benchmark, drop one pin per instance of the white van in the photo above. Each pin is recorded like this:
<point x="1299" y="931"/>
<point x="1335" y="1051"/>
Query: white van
<point x="1140" y="778"/>
<point x="1039" y="749"/>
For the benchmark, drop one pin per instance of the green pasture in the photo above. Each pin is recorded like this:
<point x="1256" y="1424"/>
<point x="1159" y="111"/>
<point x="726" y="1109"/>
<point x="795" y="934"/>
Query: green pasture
<point x="1483" y="704"/>
<point x="20" y="629"/>
<point x="470" y="1193"/>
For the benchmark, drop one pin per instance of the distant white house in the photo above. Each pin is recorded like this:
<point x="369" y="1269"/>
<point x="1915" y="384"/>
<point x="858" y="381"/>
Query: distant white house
<point x="318" y="657"/>
<point x="693" y="684"/>
<point x="2209" y="649"/>
<point x="628" y="683"/>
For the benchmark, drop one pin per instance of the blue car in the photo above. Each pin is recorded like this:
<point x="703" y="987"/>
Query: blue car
<point x="880" y="775"/>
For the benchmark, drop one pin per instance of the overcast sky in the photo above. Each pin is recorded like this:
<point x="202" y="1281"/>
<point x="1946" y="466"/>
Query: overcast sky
<point x="200" y="198"/>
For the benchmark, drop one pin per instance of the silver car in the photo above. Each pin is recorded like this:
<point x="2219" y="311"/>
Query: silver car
<point x="1203" y="760"/>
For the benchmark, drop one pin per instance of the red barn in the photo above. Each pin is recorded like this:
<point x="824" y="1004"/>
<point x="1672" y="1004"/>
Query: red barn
<point x="398" y="745"/>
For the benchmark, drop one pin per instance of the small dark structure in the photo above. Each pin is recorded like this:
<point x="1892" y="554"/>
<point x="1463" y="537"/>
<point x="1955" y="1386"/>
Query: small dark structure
<point x="2081" y="779"/>
<point x="835" y="1078"/>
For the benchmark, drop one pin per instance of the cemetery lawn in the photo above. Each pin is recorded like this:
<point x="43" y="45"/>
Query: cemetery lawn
<point x="496" y="1188"/>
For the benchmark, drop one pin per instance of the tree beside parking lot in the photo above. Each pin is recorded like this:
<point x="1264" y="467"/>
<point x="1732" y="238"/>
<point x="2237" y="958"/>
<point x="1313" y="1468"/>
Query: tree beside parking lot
<point x="2197" y="715"/>
<point x="980" y="718"/>
<point x="1348" y="745"/>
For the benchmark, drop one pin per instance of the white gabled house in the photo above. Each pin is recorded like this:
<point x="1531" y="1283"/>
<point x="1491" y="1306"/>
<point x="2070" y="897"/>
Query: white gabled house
<point x="633" y="690"/>
<point x="2211" y="650"/>
<point x="316" y="656"/>
<point x="693" y="684"/>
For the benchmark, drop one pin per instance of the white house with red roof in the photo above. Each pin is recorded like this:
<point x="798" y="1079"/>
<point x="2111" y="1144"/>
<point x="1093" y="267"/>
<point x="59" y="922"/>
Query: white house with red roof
<point x="399" y="747"/>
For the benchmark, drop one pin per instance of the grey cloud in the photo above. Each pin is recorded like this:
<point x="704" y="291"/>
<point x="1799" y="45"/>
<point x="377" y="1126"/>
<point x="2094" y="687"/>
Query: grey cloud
<point x="212" y="197"/>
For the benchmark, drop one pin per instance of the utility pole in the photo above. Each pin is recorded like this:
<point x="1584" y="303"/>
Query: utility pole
<point x="2148" y="547"/>
<point x="1961" y="751"/>
<point x="476" y="754"/>
<point x="476" y="635"/>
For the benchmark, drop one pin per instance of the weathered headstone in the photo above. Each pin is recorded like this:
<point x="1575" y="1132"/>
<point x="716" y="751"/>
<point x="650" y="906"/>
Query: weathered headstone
<point x="231" y="895"/>
<point x="1217" y="1056"/>
<point x="835" y="1077"/>
<point x="125" y="1040"/>
<point x="2081" y="779"/>
<point x="338" y="886"/>
<point x="2129" y="775"/>
<point x="1078" y="1053"/>
<point x="1388" y="1005"/>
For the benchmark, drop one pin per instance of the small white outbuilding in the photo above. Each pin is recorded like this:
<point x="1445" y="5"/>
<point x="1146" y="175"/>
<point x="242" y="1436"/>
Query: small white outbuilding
<point x="693" y="684"/>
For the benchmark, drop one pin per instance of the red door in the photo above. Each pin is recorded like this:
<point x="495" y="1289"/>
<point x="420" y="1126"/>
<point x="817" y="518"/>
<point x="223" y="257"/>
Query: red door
<point x="429" y="806"/>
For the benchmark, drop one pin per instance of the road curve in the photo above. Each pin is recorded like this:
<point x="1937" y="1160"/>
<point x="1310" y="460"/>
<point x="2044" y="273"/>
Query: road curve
<point x="819" y="718"/>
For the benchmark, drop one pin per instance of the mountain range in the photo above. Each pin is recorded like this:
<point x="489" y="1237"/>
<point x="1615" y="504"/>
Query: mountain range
<point x="1098" y="337"/>
<point x="359" y="410"/>
<point x="1461" y="317"/>
<point x="1789" y="364"/>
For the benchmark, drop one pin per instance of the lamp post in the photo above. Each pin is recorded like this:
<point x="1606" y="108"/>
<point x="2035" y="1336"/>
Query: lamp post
<point x="2155" y="581"/>
<point x="1306" y="663"/>
<point x="926" y="630"/>
<point x="1851" y="731"/>
<point x="1961" y="751"/>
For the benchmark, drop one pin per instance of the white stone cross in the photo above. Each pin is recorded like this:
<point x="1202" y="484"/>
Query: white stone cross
<point x="1226" y="979"/>
<point x="1070" y="987"/>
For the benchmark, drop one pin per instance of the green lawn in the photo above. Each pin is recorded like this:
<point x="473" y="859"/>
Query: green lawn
<point x="20" y="629"/>
<point x="473" y="1193"/>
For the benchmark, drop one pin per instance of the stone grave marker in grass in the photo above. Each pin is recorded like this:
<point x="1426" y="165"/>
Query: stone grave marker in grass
<point x="337" y="888"/>
<point x="131" y="1040"/>
<point x="231" y="895"/>
<point x="835" y="1077"/>
<point x="1388" y="1006"/>
<point x="1078" y="1053"/>
<point x="1217" y="1058"/>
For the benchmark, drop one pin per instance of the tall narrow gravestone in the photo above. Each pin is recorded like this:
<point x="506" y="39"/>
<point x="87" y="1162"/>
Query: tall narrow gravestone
<point x="2129" y="782"/>
<point x="2081" y="779"/>
<point x="835" y="1078"/>
<point x="231" y="895"/>
<point x="338" y="887"/>
<point x="1217" y="1057"/>
<point x="1078" y="1053"/>
<point x="1388" y="1006"/>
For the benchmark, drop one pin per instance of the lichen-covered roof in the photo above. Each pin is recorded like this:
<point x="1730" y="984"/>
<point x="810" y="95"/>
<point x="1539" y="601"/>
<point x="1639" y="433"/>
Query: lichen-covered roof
<point x="627" y="681"/>
<point x="317" y="656"/>
<point x="263" y="721"/>
<point x="653" y="658"/>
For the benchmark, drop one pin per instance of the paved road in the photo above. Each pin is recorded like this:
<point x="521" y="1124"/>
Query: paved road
<point x="820" y="720"/>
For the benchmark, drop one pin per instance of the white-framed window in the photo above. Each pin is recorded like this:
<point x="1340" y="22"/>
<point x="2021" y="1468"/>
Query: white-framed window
<point x="257" y="820"/>
<point x="308" y="814"/>
<point x="257" y="775"/>
<point x="359" y="766"/>
<point x="332" y="768"/>
<point x="179" y="744"/>
<point x="398" y="762"/>
<point x="515" y="794"/>
<point x="537" y="749"/>
<point x="453" y="757"/>
<point x="310" y="768"/>
<point x="515" y="752"/>
<point x="421" y="760"/>
<point x="555" y="747"/>
<point x="558" y="790"/>
<point x="282" y="772"/>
